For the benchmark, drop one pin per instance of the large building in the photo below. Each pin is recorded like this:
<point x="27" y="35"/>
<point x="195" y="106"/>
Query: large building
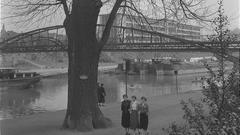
<point x="168" y="27"/>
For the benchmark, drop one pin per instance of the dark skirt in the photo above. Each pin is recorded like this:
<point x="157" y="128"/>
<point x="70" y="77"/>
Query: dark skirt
<point x="125" y="119"/>
<point x="134" y="123"/>
<point x="101" y="99"/>
<point x="143" y="121"/>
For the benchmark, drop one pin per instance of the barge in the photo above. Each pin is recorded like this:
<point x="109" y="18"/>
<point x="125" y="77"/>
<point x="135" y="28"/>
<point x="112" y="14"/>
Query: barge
<point x="11" y="77"/>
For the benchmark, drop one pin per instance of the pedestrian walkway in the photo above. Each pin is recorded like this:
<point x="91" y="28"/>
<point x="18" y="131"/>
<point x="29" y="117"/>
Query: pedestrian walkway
<point x="163" y="111"/>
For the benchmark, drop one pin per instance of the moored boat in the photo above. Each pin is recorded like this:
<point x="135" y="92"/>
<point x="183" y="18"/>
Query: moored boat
<point x="11" y="77"/>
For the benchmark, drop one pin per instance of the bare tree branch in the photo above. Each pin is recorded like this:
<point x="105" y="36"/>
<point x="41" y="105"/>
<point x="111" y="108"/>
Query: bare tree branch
<point x="65" y="7"/>
<point x="109" y="23"/>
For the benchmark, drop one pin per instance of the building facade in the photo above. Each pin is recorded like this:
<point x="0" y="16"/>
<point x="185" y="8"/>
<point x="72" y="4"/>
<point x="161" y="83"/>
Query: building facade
<point x="169" y="27"/>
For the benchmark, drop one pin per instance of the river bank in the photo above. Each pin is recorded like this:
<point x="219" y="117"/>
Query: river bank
<point x="110" y="68"/>
<point x="163" y="111"/>
<point x="45" y="72"/>
<point x="200" y="70"/>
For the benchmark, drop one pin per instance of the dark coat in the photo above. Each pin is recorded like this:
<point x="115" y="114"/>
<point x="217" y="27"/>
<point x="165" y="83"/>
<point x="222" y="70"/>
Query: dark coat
<point x="101" y="95"/>
<point x="125" y="106"/>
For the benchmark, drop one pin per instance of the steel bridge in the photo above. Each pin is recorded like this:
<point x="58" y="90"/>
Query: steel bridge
<point x="121" y="38"/>
<point x="51" y="39"/>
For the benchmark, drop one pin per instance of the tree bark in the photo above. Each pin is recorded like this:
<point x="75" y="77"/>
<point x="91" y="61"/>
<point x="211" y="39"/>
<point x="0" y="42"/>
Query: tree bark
<point x="83" y="112"/>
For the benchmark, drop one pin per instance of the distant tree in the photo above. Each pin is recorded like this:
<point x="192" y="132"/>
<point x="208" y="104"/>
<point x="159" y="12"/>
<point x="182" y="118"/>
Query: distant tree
<point x="83" y="47"/>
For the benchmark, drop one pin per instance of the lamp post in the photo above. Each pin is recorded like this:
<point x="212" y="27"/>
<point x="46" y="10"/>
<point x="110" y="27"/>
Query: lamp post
<point x="176" y="73"/>
<point x="239" y="66"/>
<point x="127" y="66"/>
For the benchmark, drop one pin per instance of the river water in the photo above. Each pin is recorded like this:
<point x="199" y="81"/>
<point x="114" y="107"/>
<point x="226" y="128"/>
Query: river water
<point x="50" y="94"/>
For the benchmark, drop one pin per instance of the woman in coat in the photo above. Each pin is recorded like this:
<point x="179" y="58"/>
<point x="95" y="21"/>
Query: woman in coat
<point x="134" y="122"/>
<point x="125" y="107"/>
<point x="143" y="110"/>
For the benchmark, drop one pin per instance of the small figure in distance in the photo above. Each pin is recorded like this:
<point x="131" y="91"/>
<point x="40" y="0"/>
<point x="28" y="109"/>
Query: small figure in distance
<point x="101" y="95"/>
<point x="125" y="107"/>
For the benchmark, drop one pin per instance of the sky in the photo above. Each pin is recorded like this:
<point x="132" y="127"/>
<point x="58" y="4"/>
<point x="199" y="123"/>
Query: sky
<point x="232" y="10"/>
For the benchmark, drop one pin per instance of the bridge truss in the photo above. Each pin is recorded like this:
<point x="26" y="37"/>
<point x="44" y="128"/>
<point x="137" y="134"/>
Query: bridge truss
<point x="51" y="39"/>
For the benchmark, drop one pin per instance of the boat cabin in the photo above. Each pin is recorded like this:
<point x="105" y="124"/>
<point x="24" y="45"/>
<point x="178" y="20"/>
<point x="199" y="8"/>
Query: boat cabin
<point x="12" y="73"/>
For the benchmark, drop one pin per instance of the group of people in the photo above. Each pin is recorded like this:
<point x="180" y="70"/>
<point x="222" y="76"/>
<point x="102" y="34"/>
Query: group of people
<point x="101" y="94"/>
<point x="135" y="115"/>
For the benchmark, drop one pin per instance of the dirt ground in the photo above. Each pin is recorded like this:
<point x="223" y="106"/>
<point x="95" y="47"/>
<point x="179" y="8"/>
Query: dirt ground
<point x="163" y="110"/>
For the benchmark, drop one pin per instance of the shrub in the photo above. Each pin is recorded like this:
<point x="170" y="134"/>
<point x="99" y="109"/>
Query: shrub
<point x="218" y="112"/>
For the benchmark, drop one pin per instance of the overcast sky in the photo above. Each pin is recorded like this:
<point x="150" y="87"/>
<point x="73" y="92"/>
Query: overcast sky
<point x="231" y="8"/>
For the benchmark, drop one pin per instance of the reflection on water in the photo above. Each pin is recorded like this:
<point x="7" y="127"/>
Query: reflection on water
<point x="50" y="94"/>
<point x="17" y="102"/>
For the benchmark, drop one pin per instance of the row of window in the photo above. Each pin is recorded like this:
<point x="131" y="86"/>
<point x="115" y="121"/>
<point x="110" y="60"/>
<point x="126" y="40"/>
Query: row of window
<point x="145" y="38"/>
<point x="162" y="24"/>
<point x="157" y="39"/>
<point x="188" y="32"/>
<point x="188" y="37"/>
<point x="140" y="26"/>
<point x="188" y="27"/>
<point x="162" y="29"/>
<point x="157" y="23"/>
<point x="130" y="32"/>
<point x="184" y="26"/>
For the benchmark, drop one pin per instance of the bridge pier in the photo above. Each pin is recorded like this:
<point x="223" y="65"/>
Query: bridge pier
<point x="159" y="72"/>
<point x="14" y="61"/>
<point x="143" y="71"/>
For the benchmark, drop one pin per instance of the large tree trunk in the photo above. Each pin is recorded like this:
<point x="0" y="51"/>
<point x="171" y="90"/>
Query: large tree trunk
<point x="83" y="112"/>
